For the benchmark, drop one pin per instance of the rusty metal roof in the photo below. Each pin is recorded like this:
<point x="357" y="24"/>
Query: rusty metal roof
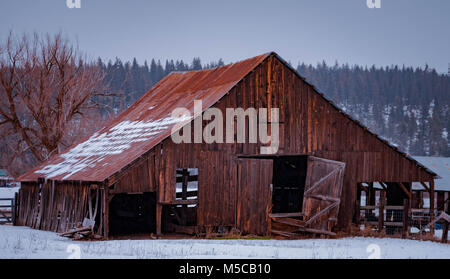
<point x="143" y="125"/>
<point x="441" y="166"/>
<point x="148" y="122"/>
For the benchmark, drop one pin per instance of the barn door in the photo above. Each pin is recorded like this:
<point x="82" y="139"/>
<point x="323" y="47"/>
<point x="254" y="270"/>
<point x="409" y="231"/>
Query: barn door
<point x="322" y="194"/>
<point x="253" y="195"/>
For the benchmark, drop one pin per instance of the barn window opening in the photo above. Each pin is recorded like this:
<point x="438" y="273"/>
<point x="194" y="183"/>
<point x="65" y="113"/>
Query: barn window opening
<point x="187" y="184"/>
<point x="181" y="217"/>
<point x="289" y="176"/>
<point x="132" y="214"/>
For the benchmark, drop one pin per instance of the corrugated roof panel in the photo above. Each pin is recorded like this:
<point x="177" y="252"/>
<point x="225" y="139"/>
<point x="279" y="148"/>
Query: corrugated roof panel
<point x="439" y="165"/>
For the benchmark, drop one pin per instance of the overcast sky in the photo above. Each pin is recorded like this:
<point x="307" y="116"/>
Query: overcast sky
<point x="410" y="32"/>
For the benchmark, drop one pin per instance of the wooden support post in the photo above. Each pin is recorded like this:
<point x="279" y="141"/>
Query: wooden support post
<point x="405" y="231"/>
<point x="425" y="186"/>
<point x="158" y="218"/>
<point x="371" y="198"/>
<point x="12" y="211"/>
<point x="432" y="206"/>
<point x="381" y="210"/>
<point x="445" y="232"/>
<point x="416" y="199"/>
<point x="446" y="203"/>
<point x="405" y="190"/>
<point x="440" y="201"/>
<point x="358" y="212"/>
<point x="358" y="204"/>
<point x="106" y="200"/>
<point x="421" y="199"/>
<point x="184" y="184"/>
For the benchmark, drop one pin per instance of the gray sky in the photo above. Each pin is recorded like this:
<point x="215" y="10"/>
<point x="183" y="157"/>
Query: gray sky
<point x="410" y="32"/>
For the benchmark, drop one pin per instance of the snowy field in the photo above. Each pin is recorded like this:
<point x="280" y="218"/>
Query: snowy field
<point x="23" y="242"/>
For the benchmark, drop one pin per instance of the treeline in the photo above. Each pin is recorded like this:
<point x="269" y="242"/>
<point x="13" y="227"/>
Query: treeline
<point x="130" y="79"/>
<point x="407" y="106"/>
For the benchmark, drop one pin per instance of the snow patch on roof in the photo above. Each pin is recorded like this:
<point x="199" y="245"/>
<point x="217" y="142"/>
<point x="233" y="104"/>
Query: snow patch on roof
<point x="115" y="141"/>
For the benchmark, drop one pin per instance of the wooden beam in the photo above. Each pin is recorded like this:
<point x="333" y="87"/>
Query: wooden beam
<point x="289" y="221"/>
<point x="283" y="233"/>
<point x="384" y="186"/>
<point x="360" y="185"/>
<point x="358" y="212"/>
<point x="82" y="229"/>
<point x="432" y="205"/>
<point x="322" y="198"/>
<point x="317" y="231"/>
<point x="158" y="218"/>
<point x="371" y="199"/>
<point x="188" y="194"/>
<point x="445" y="233"/>
<point x="405" y="230"/>
<point x="323" y="211"/>
<point x="425" y="186"/>
<point x="408" y="194"/>
<point x="321" y="180"/>
<point x="180" y="202"/>
<point x="282" y="215"/>
<point x="381" y="211"/>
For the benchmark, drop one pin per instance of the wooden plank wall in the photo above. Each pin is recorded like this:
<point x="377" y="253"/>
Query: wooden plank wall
<point x="253" y="192"/>
<point x="52" y="206"/>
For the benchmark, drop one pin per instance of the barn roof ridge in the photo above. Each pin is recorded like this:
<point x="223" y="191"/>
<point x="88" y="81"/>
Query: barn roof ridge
<point x="56" y="168"/>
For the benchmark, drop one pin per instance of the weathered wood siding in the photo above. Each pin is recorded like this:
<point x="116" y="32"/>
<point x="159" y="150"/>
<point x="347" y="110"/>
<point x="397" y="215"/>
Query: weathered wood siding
<point x="54" y="206"/>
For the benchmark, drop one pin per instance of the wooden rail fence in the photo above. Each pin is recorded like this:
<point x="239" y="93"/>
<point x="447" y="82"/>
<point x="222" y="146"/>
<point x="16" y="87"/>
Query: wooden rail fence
<point x="386" y="216"/>
<point x="7" y="209"/>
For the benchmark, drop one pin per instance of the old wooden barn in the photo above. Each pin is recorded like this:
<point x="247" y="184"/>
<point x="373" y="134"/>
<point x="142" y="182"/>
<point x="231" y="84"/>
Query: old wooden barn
<point x="130" y="177"/>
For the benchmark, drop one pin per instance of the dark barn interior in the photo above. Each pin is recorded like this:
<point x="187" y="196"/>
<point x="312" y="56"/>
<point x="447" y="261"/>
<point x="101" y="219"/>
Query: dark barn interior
<point x="132" y="213"/>
<point x="289" y="175"/>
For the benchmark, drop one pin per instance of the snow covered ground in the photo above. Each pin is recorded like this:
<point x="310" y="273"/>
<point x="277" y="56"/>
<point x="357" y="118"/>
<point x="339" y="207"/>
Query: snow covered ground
<point x="23" y="242"/>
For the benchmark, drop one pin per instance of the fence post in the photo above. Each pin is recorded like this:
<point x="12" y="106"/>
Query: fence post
<point x="16" y="208"/>
<point x="381" y="211"/>
<point x="358" y="212"/>
<point x="13" y="210"/>
<point x="405" y="231"/>
<point x="445" y="232"/>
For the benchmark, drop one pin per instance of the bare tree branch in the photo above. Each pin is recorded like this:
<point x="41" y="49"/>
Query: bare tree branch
<point x="47" y="92"/>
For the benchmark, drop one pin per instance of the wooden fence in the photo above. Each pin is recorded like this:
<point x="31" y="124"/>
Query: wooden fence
<point x="387" y="217"/>
<point x="397" y="218"/>
<point x="7" y="210"/>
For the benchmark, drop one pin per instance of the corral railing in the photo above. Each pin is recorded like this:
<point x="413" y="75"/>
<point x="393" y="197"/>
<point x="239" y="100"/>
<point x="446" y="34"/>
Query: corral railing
<point x="394" y="219"/>
<point x="7" y="209"/>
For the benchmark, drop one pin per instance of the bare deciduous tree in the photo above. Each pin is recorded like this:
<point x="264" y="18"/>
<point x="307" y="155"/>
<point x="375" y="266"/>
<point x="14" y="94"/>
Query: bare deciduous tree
<point x="47" y="95"/>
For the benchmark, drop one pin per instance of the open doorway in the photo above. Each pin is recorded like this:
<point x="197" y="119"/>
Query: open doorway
<point x="289" y="176"/>
<point x="132" y="214"/>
